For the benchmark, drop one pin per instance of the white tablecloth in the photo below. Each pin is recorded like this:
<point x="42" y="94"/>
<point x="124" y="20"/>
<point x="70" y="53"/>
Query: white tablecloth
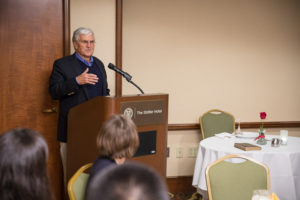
<point x="283" y="161"/>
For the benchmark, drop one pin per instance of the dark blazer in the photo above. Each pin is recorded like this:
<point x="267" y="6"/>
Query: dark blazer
<point x="63" y="87"/>
<point x="99" y="165"/>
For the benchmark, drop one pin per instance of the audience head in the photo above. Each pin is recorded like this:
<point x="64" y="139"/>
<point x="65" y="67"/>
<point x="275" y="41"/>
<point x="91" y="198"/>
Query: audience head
<point x="130" y="181"/>
<point x="23" y="170"/>
<point x="118" y="138"/>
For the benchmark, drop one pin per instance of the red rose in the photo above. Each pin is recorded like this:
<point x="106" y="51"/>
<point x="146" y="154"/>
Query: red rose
<point x="263" y="115"/>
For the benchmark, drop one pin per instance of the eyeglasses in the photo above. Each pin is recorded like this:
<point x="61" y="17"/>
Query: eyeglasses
<point x="86" y="42"/>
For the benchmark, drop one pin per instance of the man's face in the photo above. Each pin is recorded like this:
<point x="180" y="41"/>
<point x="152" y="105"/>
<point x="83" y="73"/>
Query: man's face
<point x="85" y="46"/>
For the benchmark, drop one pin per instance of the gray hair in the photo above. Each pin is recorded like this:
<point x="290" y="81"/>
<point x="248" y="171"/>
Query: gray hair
<point x="81" y="31"/>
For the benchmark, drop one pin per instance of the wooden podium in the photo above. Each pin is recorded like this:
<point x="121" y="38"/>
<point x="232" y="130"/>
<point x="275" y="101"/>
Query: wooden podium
<point x="150" y="114"/>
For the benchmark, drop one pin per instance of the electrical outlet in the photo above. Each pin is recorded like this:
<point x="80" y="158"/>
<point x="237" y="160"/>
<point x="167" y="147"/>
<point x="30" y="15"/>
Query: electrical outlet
<point x="195" y="151"/>
<point x="179" y="152"/>
<point x="192" y="152"/>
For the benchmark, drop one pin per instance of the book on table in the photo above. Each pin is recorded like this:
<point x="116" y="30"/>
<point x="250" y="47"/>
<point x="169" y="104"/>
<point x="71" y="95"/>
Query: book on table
<point x="247" y="146"/>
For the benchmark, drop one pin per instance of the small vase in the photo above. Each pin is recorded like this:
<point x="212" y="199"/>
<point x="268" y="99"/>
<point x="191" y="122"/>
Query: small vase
<point x="261" y="141"/>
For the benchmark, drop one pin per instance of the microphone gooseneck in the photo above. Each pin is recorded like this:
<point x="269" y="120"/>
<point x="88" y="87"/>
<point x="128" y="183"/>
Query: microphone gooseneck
<point x="125" y="75"/>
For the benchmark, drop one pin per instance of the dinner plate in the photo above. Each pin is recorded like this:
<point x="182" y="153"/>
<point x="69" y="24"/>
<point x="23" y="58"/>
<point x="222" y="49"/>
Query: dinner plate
<point x="247" y="135"/>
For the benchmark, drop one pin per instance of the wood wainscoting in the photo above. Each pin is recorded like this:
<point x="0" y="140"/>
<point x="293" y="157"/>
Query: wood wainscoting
<point x="181" y="184"/>
<point x="244" y="125"/>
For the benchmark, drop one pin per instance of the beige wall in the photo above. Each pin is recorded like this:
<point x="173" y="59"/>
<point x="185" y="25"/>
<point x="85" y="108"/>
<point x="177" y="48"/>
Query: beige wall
<point x="100" y="16"/>
<point x="238" y="55"/>
<point x="241" y="56"/>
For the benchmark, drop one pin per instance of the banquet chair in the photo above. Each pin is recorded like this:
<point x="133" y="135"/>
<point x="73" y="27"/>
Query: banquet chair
<point x="216" y="121"/>
<point x="77" y="183"/>
<point x="235" y="181"/>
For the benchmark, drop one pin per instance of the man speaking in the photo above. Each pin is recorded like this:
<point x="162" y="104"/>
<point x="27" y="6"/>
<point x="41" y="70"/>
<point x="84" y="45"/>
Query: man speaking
<point x="76" y="79"/>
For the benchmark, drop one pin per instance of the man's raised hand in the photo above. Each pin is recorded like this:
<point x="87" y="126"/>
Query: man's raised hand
<point x="86" y="78"/>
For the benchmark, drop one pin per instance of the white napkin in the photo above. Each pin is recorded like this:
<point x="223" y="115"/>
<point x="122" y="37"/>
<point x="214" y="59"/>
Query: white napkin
<point x="224" y="135"/>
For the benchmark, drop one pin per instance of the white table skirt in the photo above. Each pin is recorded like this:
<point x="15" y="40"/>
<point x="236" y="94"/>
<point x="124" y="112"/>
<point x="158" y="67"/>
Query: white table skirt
<point x="283" y="161"/>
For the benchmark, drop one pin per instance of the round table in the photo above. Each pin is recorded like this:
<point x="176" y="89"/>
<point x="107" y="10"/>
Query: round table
<point x="283" y="161"/>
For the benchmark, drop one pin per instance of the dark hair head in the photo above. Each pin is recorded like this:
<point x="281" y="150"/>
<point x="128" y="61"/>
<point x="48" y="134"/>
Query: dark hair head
<point x="23" y="172"/>
<point x="130" y="181"/>
<point x="118" y="138"/>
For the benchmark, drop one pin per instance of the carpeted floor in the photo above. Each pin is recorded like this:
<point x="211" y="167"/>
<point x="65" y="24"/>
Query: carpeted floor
<point x="185" y="196"/>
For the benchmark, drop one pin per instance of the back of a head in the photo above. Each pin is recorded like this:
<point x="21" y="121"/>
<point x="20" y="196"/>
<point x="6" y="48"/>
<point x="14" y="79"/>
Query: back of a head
<point x="23" y="172"/>
<point x="118" y="138"/>
<point x="129" y="181"/>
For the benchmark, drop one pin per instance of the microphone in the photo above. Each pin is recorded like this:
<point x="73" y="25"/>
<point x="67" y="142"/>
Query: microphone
<point x="125" y="75"/>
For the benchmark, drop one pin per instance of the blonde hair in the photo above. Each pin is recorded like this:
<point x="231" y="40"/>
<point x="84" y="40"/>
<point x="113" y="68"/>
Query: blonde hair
<point x="118" y="138"/>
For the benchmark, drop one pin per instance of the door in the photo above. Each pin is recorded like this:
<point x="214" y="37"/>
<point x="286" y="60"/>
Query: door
<point x="31" y="38"/>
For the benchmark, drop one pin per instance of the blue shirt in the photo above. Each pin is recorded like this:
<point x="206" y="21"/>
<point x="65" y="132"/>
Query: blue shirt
<point x="89" y="64"/>
<point x="84" y="61"/>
